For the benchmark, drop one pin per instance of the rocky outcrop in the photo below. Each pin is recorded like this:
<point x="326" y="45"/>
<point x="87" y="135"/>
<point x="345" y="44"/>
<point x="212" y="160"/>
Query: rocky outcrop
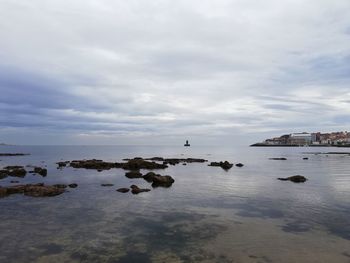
<point x="15" y="171"/>
<point x="62" y="164"/>
<point x="99" y="165"/>
<point x="136" y="190"/>
<point x="41" y="171"/>
<point x="137" y="164"/>
<point x="294" y="178"/>
<point x="162" y="180"/>
<point x="224" y="165"/>
<point x="92" y="164"/>
<point x="159" y="180"/>
<point x="278" y="159"/>
<point x="123" y="190"/>
<point x="133" y="174"/>
<point x="149" y="176"/>
<point x="13" y="154"/>
<point x="174" y="161"/>
<point x="34" y="190"/>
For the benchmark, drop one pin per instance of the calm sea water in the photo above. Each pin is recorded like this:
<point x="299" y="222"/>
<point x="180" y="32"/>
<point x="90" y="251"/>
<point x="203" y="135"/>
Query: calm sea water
<point x="208" y="215"/>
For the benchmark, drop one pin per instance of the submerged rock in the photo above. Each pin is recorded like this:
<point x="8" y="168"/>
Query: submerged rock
<point x="62" y="164"/>
<point x="137" y="164"/>
<point x="149" y="176"/>
<point x="224" y="165"/>
<point x="73" y="185"/>
<point x="162" y="180"/>
<point x="278" y="159"/>
<point x="60" y="185"/>
<point x="41" y="171"/>
<point x="294" y="178"/>
<point x="34" y="190"/>
<point x="136" y="190"/>
<point x="305" y="158"/>
<point x="13" y="154"/>
<point x="239" y="164"/>
<point x="15" y="171"/>
<point x="133" y="174"/>
<point x="123" y="190"/>
<point x="107" y="185"/>
<point x="92" y="164"/>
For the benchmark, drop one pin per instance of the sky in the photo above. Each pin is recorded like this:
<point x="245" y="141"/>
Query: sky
<point x="163" y="71"/>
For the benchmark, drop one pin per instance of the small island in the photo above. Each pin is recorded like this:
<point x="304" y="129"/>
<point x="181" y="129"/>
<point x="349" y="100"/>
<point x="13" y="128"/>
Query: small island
<point x="315" y="139"/>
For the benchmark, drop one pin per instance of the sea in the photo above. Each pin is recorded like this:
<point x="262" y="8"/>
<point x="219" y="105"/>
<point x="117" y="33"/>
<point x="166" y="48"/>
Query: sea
<point x="208" y="215"/>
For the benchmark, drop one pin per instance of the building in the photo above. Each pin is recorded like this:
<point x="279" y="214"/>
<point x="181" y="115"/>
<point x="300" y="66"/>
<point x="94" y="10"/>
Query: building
<point x="302" y="138"/>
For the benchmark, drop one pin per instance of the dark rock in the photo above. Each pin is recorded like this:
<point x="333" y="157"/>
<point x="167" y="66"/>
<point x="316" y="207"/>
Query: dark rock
<point x="92" y="164"/>
<point x="239" y="164"/>
<point x="17" y="172"/>
<point x="224" y="165"/>
<point x="62" y="164"/>
<point x="149" y="176"/>
<point x="34" y="190"/>
<point x="13" y="154"/>
<point x="3" y="174"/>
<point x="60" y="185"/>
<point x="133" y="174"/>
<point x="294" y="178"/>
<point x="13" y="167"/>
<point x="305" y="158"/>
<point x="278" y="159"/>
<point x="73" y="185"/>
<point x="137" y="164"/>
<point x="123" y="190"/>
<point x="107" y="185"/>
<point x="164" y="181"/>
<point x="41" y="171"/>
<point x="159" y="159"/>
<point x="136" y="190"/>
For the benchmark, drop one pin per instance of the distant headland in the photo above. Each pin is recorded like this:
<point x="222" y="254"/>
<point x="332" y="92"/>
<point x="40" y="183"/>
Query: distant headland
<point x="335" y="139"/>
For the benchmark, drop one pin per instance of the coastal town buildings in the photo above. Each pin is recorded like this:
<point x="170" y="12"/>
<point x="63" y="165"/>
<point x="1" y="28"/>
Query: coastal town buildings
<point x="313" y="139"/>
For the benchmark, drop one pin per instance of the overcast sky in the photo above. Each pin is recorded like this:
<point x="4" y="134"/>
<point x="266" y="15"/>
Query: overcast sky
<point x="162" y="71"/>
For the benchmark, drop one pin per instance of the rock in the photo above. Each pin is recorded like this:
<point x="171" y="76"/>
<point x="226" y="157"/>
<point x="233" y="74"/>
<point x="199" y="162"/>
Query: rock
<point x="13" y="154"/>
<point x="305" y="158"/>
<point x="239" y="164"/>
<point x="62" y="164"/>
<point x="73" y="185"/>
<point x="123" y="190"/>
<point x="224" y="165"/>
<point x="294" y="178"/>
<point x="13" y="167"/>
<point x="149" y="176"/>
<point x="184" y="164"/>
<point x="133" y="164"/>
<point x="137" y="164"/>
<point x="34" y="190"/>
<point x="60" y="186"/>
<point x="14" y="182"/>
<point x="92" y="164"/>
<point x="159" y="159"/>
<point x="17" y="172"/>
<point x="164" y="181"/>
<point x="41" y="171"/>
<point x="136" y="190"/>
<point x="107" y="185"/>
<point x="133" y="174"/>
<point x="3" y="174"/>
<point x="278" y="159"/>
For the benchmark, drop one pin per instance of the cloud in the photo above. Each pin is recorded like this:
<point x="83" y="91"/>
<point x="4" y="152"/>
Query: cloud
<point x="165" y="69"/>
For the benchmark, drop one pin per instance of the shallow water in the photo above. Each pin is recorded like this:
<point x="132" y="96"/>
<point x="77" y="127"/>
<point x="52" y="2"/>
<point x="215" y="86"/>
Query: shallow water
<point x="208" y="215"/>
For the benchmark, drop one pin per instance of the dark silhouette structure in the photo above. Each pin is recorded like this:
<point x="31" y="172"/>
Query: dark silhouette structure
<point x="187" y="144"/>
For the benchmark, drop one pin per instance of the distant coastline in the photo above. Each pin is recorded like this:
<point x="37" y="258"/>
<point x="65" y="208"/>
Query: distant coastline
<point x="315" y="139"/>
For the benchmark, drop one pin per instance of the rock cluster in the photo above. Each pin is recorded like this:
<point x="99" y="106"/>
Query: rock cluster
<point x="34" y="190"/>
<point x="224" y="165"/>
<point x="15" y="171"/>
<point x="41" y="171"/>
<point x="294" y="178"/>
